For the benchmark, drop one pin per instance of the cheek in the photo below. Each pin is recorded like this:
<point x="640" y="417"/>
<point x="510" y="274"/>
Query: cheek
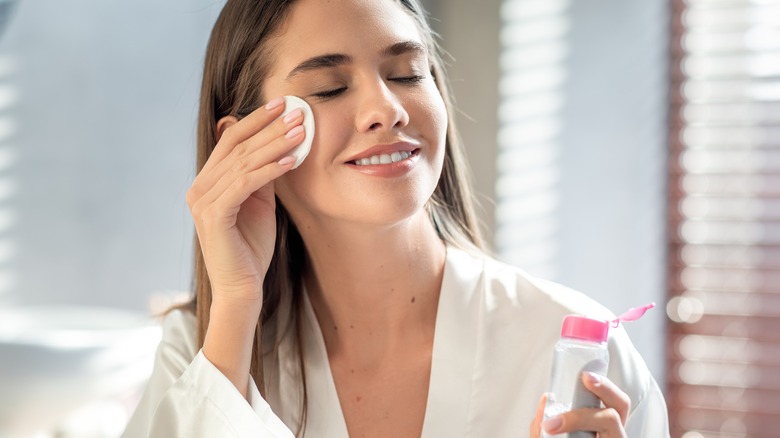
<point x="333" y="128"/>
<point x="331" y="133"/>
<point x="433" y="115"/>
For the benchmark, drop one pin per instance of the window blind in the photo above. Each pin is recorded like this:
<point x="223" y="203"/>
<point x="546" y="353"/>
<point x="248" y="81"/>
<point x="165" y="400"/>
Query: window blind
<point x="724" y="213"/>
<point x="534" y="50"/>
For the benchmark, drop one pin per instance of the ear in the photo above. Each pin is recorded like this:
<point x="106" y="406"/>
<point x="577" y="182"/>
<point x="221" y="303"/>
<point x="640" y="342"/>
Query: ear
<point x="225" y="123"/>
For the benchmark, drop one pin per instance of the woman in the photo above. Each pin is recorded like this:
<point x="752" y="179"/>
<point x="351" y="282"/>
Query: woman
<point x="351" y="299"/>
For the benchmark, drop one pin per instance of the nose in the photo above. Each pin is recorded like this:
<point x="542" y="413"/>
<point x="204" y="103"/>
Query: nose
<point x="380" y="108"/>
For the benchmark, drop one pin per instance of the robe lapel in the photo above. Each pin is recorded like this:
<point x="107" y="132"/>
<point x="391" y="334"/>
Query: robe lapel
<point x="454" y="347"/>
<point x="324" y="417"/>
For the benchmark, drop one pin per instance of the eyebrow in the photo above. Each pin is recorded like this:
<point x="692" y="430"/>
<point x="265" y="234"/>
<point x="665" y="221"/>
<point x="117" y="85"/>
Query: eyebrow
<point x="338" y="59"/>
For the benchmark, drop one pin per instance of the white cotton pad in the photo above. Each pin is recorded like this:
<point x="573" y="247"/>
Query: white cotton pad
<point x="302" y="150"/>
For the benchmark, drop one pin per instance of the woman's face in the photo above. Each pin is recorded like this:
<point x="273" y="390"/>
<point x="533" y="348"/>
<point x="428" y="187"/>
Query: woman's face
<point x="363" y="68"/>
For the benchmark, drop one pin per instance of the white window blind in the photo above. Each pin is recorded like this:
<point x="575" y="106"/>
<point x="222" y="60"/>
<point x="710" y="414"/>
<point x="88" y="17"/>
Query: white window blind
<point x="724" y="192"/>
<point x="534" y="43"/>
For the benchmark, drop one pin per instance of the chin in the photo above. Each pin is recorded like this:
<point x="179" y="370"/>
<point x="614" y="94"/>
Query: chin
<point x="383" y="211"/>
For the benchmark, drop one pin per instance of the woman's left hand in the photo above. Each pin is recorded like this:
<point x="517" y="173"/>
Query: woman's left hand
<point x="607" y="422"/>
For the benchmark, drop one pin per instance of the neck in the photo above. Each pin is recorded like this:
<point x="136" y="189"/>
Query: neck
<point x="374" y="288"/>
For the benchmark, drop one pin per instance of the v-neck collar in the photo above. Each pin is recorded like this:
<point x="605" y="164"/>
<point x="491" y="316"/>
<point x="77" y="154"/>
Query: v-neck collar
<point x="452" y="364"/>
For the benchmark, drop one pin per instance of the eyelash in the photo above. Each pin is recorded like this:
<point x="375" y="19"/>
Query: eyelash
<point x="403" y="80"/>
<point x="409" y="79"/>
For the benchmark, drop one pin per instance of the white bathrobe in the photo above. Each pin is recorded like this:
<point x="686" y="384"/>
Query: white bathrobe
<point x="496" y="327"/>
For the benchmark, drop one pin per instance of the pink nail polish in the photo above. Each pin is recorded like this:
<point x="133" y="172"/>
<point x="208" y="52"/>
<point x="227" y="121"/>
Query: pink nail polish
<point x="295" y="131"/>
<point x="274" y="103"/>
<point x="552" y="424"/>
<point x="593" y="377"/>
<point x="294" y="114"/>
<point x="287" y="161"/>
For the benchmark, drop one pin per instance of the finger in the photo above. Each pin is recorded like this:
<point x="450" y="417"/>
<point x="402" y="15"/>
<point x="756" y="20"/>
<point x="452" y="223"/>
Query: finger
<point x="224" y="210"/>
<point x="262" y="157"/>
<point x="609" y="393"/>
<point x="242" y="188"/>
<point x="239" y="155"/>
<point x="536" y="425"/>
<point x="218" y="165"/>
<point x="605" y="422"/>
<point x="245" y="128"/>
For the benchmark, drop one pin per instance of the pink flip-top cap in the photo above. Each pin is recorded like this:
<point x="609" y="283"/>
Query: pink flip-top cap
<point x="580" y="327"/>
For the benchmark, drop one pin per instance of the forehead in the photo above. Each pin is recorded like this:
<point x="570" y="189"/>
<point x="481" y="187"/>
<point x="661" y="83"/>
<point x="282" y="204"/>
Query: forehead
<point x="352" y="27"/>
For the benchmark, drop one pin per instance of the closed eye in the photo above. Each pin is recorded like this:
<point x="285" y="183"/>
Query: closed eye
<point x="409" y="79"/>
<point x="330" y="93"/>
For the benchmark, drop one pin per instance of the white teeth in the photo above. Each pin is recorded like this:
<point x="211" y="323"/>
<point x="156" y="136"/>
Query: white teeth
<point x="384" y="158"/>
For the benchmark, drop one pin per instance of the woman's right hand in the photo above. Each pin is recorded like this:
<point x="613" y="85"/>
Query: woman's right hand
<point x="234" y="209"/>
<point x="232" y="199"/>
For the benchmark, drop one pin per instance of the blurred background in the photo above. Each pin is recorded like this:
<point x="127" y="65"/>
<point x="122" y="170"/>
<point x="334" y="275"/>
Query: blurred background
<point x="625" y="148"/>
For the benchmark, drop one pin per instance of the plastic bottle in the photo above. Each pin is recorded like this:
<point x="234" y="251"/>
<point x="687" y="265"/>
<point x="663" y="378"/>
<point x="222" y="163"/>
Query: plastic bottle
<point x="582" y="347"/>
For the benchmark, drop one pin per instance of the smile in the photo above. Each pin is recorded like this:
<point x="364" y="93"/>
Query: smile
<point x="395" y="157"/>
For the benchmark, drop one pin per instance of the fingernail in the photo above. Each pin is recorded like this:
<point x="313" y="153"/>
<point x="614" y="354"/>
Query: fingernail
<point x="294" y="114"/>
<point x="274" y="103"/>
<point x="593" y="377"/>
<point x="552" y="424"/>
<point x="287" y="161"/>
<point x="294" y="132"/>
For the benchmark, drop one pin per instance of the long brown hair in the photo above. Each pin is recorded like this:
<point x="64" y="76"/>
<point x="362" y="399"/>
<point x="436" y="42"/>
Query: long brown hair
<point x="237" y="61"/>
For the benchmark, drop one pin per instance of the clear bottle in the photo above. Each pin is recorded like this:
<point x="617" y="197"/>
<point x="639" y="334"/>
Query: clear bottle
<point x="582" y="347"/>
